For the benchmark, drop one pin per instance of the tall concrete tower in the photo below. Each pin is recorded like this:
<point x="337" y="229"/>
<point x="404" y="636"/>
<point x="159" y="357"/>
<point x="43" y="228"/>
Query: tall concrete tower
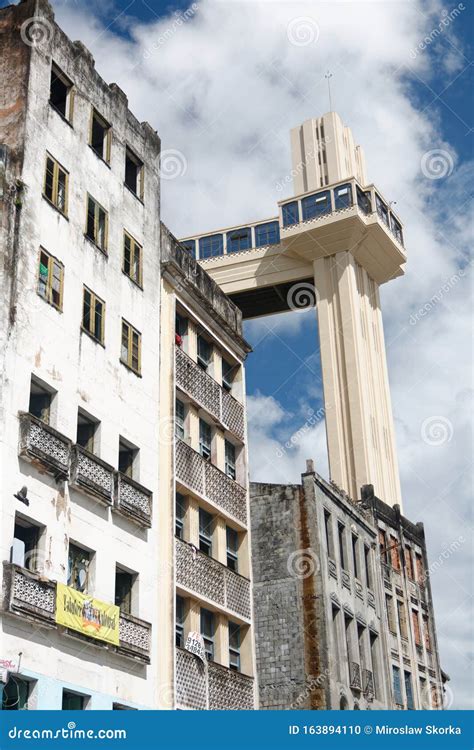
<point x="333" y="243"/>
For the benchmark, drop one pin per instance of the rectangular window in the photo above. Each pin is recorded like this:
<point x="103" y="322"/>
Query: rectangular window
<point x="40" y="401"/>
<point x="100" y="136"/>
<point x="134" y="173"/>
<point x="316" y="205"/>
<point x="73" y="701"/>
<point x="230" y="460"/>
<point x="355" y="554"/>
<point x="208" y="632"/>
<point x="127" y="457"/>
<point x="420" y="573"/>
<point x="131" y="347"/>
<point x="204" y="352"/>
<point x="50" y="279"/>
<point x="397" y="686"/>
<point x="342" y="197"/>
<point x="368" y="567"/>
<point x="180" y="515"/>
<point x="384" y="553"/>
<point x="228" y="373"/>
<point x="25" y="544"/>
<point x="342" y="546"/>
<point x="123" y="590"/>
<point x="206" y="522"/>
<point x="61" y="93"/>
<point x="97" y="224"/>
<point x="395" y="553"/>
<point x="179" y="631"/>
<point x="205" y="440"/>
<point x="234" y="646"/>
<point x="16" y="694"/>
<point x="267" y="234"/>
<point x="55" y="186"/>
<point x="416" y="627"/>
<point x="364" y="201"/>
<point x="232" y="541"/>
<point x="402" y="619"/>
<point x="426" y="632"/>
<point x="93" y="315"/>
<point x="211" y="246"/>
<point x="409" y="563"/>
<point x="409" y="691"/>
<point x="181" y="325"/>
<point x="239" y="239"/>
<point x="374" y="653"/>
<point x="391" y="614"/>
<point x="179" y="420"/>
<point x="290" y="213"/>
<point x="328" y="533"/>
<point x="382" y="209"/>
<point x="132" y="259"/>
<point x="86" y="431"/>
<point x="78" y="568"/>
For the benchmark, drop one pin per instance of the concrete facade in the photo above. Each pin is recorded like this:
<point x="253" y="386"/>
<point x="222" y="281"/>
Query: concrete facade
<point x="326" y="574"/>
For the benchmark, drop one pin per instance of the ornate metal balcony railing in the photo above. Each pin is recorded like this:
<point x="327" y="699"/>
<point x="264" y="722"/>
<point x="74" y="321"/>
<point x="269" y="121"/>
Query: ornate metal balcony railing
<point x="354" y="676"/>
<point x="211" y="686"/>
<point x="43" y="445"/>
<point x="91" y="474"/>
<point x="33" y="597"/>
<point x="207" y="392"/>
<point x="133" y="500"/>
<point x="207" y="480"/>
<point x="209" y="578"/>
<point x="369" y="684"/>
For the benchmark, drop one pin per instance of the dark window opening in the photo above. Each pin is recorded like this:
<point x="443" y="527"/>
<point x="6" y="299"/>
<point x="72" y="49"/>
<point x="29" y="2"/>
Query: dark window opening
<point x="134" y="173"/>
<point x="316" y="205"/>
<point x="25" y="544"/>
<point x="40" y="402"/>
<point x="60" y="93"/>
<point x="190" y="245"/>
<point x="290" y="214"/>
<point x="205" y="440"/>
<point x="342" y="197"/>
<point x="204" y="352"/>
<point x="230" y="460"/>
<point x="234" y="646"/>
<point x="100" y="136"/>
<point x="73" y="701"/>
<point x="342" y="548"/>
<point x="179" y="420"/>
<point x="78" y="568"/>
<point x="232" y="540"/>
<point x="179" y="628"/>
<point x="206" y="522"/>
<point x="86" y="432"/>
<point x="180" y="515"/>
<point x="16" y="693"/>
<point x="123" y="590"/>
<point x="127" y="456"/>
<point x="355" y="556"/>
<point x="368" y="567"/>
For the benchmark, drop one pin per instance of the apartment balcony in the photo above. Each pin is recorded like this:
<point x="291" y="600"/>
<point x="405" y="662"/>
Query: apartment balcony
<point x="44" y="446"/>
<point x="354" y="676"/>
<point x="210" y="483"/>
<point x="92" y="475"/>
<point x="211" y="580"/>
<point x="212" y="686"/>
<point x="132" y="500"/>
<point x="207" y="392"/>
<point x="32" y="597"/>
<point x="369" y="685"/>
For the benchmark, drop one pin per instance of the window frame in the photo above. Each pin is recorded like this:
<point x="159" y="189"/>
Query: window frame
<point x="180" y="504"/>
<point x="235" y="651"/>
<point x="205" y="532"/>
<point x="232" y="552"/>
<point x="87" y="564"/>
<point x="92" y="315"/>
<point x="140" y="176"/>
<point x="58" y="73"/>
<point x="179" y="420"/>
<point x="98" y="207"/>
<point x="209" y="639"/>
<point x="53" y="200"/>
<point x="107" y="145"/>
<point x="205" y="449"/>
<point x="269" y="229"/>
<point x="230" y="461"/>
<point x="48" y="296"/>
<point x="202" y="361"/>
<point x="180" y="619"/>
<point x="135" y="248"/>
<point x="131" y="330"/>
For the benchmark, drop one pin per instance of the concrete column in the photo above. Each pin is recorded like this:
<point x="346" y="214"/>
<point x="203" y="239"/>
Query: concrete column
<point x="219" y="541"/>
<point x="193" y="515"/>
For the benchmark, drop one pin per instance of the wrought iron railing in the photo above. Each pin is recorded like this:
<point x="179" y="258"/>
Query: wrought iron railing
<point x="133" y="500"/>
<point x="32" y="597"/>
<point x="211" y="686"/>
<point x="202" y="477"/>
<point x="212" y="580"/>
<point x="207" y="392"/>
<point x="92" y="475"/>
<point x="43" y="445"/>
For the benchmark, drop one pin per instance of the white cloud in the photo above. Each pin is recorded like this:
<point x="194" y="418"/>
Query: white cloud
<point x="224" y="89"/>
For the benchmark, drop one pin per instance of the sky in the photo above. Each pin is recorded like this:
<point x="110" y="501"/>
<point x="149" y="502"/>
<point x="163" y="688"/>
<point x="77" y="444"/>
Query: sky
<point x="223" y="84"/>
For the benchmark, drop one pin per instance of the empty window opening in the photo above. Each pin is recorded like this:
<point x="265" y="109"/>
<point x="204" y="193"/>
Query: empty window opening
<point x="40" y="401"/>
<point x="124" y="582"/>
<point x="100" y="136"/>
<point x="128" y="455"/>
<point x="74" y="701"/>
<point x="134" y="173"/>
<point x="206" y="524"/>
<point x="26" y="538"/>
<point x="61" y="93"/>
<point x="87" y="429"/>
<point x="16" y="693"/>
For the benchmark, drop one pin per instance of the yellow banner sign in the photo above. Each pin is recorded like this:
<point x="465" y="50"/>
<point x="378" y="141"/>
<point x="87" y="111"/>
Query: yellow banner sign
<point x="87" y="615"/>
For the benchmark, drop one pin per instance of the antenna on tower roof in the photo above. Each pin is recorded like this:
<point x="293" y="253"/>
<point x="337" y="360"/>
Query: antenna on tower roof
<point x="328" y="77"/>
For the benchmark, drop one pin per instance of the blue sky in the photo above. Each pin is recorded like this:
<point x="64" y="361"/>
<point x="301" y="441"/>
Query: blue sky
<point x="223" y="89"/>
